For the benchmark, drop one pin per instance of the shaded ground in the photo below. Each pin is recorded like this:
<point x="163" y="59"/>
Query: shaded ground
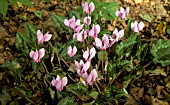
<point x="147" y="89"/>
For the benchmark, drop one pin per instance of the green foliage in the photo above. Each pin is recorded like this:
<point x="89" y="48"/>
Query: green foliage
<point x="107" y="10"/>
<point x="38" y="14"/>
<point x="3" y="7"/>
<point x="168" y="31"/>
<point x="4" y="4"/>
<point x="26" y="40"/>
<point x="59" y="24"/>
<point x="161" y="52"/>
<point x="5" y="96"/>
<point x="146" y="17"/>
<point x="129" y="30"/>
<point x="125" y="48"/>
<point x="67" y="101"/>
<point x="143" y="50"/>
<point x="102" y="55"/>
<point x="116" y="66"/>
<point x="15" y="68"/>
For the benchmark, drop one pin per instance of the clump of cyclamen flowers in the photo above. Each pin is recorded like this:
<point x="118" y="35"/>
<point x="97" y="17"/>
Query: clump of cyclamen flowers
<point x="38" y="55"/>
<point x="80" y="34"/>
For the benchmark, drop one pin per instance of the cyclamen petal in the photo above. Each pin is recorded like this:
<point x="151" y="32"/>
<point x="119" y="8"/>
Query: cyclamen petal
<point x="64" y="81"/>
<point x="88" y="8"/>
<point x="59" y="83"/>
<point x="94" y="31"/>
<point x="137" y="27"/>
<point x="122" y="13"/>
<point x="141" y="25"/>
<point x="47" y="37"/>
<point x="87" y="20"/>
<point x="91" y="77"/>
<point x="42" y="38"/>
<point x="72" y="51"/>
<point x="88" y="55"/>
<point x="91" y="7"/>
<point x="37" y="55"/>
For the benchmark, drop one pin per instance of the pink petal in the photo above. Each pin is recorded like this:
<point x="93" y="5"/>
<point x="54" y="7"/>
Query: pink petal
<point x="86" y="54"/>
<point x="78" y="66"/>
<point x="64" y="81"/>
<point x="73" y="19"/>
<point x="123" y="17"/>
<point x="39" y="36"/>
<point x="140" y="25"/>
<point x="70" y="51"/>
<point x="92" y="53"/>
<point x="87" y="20"/>
<point x="121" y="33"/>
<point x="31" y="53"/>
<point x="117" y="13"/>
<point x="98" y="42"/>
<point x="122" y="10"/>
<point x="59" y="86"/>
<point x="74" y="50"/>
<point x="136" y="29"/>
<point x="132" y="25"/>
<point x="73" y="25"/>
<point x="89" y="79"/>
<point x="97" y="29"/>
<point x="47" y="37"/>
<point x="86" y="8"/>
<point x="93" y="74"/>
<point x="115" y="31"/>
<point x="53" y="82"/>
<point x="41" y="53"/>
<point x="86" y="66"/>
<point x="35" y="56"/>
<point x="127" y="10"/>
<point x="91" y="32"/>
<point x="91" y="7"/>
<point x="78" y="28"/>
<point x="66" y="22"/>
<point x="58" y="78"/>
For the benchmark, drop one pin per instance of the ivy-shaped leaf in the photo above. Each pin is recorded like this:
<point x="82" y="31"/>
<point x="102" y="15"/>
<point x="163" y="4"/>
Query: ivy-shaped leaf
<point x="59" y="23"/>
<point x="161" y="52"/>
<point x="141" y="53"/>
<point x="3" y="7"/>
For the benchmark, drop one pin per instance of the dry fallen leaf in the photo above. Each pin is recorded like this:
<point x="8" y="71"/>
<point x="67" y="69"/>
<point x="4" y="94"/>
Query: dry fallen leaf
<point x="158" y="90"/>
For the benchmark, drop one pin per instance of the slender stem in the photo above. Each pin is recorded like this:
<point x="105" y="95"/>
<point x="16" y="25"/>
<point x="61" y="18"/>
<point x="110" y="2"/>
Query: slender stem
<point x="97" y="87"/>
<point x="98" y="65"/>
<point x="45" y="67"/>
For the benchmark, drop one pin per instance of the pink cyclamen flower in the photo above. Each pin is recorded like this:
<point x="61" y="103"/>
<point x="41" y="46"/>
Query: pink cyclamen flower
<point x="88" y="8"/>
<point x="122" y="13"/>
<point x="43" y="38"/>
<point x="94" y="31"/>
<point x="87" y="20"/>
<point x="89" y="54"/>
<point x="72" y="51"/>
<point x="37" y="55"/>
<point x="137" y="27"/>
<point x="74" y="24"/>
<point x="68" y="22"/>
<point x="91" y="77"/>
<point x="59" y="83"/>
<point x="102" y="44"/>
<point x="80" y="36"/>
<point x="82" y="67"/>
<point x="118" y="34"/>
